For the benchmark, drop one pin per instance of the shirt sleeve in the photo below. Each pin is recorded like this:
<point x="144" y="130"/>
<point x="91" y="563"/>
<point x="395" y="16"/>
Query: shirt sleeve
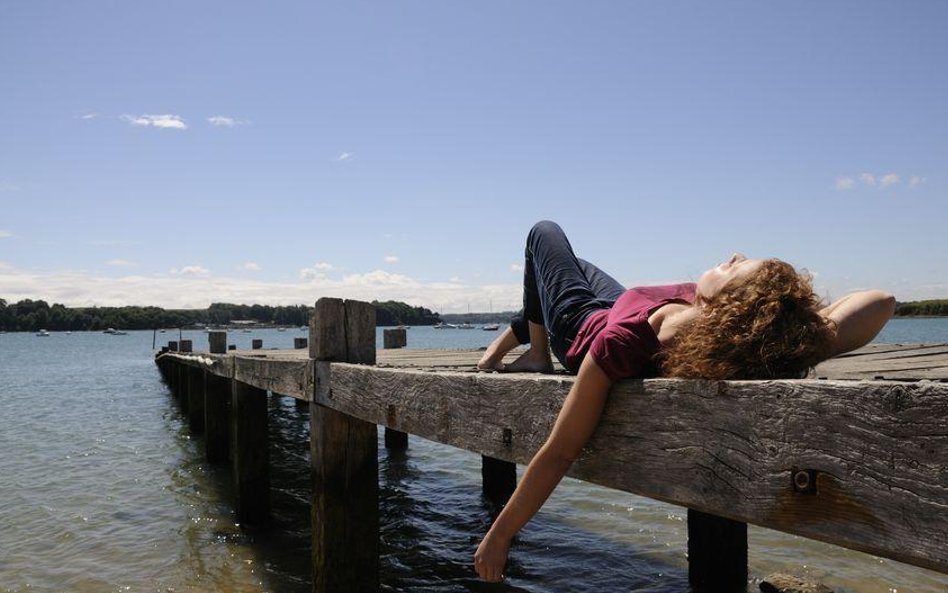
<point x="624" y="350"/>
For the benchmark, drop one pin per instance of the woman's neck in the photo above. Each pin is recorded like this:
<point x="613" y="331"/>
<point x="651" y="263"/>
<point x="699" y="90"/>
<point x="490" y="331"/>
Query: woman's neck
<point x="669" y="319"/>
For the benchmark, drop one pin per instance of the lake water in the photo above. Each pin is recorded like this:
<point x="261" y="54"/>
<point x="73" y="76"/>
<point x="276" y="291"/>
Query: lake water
<point x="102" y="489"/>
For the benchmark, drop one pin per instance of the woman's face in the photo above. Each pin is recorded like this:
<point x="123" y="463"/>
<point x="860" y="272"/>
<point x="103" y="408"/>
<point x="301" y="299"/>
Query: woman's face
<point x="736" y="269"/>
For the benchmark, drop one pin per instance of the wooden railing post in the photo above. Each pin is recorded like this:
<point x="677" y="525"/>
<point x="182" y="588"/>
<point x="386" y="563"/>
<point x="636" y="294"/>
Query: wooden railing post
<point x="717" y="553"/>
<point x="344" y="451"/>
<point x="395" y="440"/>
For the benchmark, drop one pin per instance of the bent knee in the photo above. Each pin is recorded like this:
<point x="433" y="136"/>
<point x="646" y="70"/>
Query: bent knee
<point x="544" y="227"/>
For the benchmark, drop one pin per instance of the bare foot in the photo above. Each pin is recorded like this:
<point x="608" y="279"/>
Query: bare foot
<point x="494" y="356"/>
<point x="534" y="360"/>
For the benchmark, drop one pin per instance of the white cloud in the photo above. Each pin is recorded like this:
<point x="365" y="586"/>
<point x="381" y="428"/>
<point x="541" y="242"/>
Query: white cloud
<point x="118" y="262"/>
<point x="249" y="267"/>
<point x="455" y="279"/>
<point x="89" y="116"/>
<point x="316" y="272"/>
<point x="888" y="179"/>
<point x="171" y="121"/>
<point x="76" y="289"/>
<point x="190" y="271"/>
<point x="345" y="156"/>
<point x="867" y="178"/>
<point x="5" y="234"/>
<point x="391" y="259"/>
<point x="516" y="267"/>
<point x="916" y="181"/>
<point x="224" y="121"/>
<point x="845" y="183"/>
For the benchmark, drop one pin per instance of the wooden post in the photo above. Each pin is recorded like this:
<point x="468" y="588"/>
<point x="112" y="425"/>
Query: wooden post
<point x="232" y="346"/>
<point x="300" y="343"/>
<point x="183" y="386"/>
<point x="217" y="342"/>
<point x="216" y="417"/>
<point x="717" y="553"/>
<point x="256" y="344"/>
<point x="498" y="480"/>
<point x="249" y="427"/>
<point x="195" y="378"/>
<point x="345" y="518"/>
<point x="186" y="346"/>
<point x="395" y="440"/>
<point x="396" y="337"/>
<point x="173" y="346"/>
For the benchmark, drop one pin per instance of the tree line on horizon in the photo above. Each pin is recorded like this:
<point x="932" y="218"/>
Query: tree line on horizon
<point x="929" y="308"/>
<point x="30" y="315"/>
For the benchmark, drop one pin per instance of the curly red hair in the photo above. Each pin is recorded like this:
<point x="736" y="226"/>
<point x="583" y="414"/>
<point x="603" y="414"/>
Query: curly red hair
<point x="767" y="326"/>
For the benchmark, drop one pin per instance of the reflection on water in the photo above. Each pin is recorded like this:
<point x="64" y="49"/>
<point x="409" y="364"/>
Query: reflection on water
<point x="104" y="489"/>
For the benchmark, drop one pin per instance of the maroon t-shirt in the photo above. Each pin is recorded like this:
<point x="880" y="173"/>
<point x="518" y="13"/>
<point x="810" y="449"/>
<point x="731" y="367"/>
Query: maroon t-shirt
<point x="620" y="339"/>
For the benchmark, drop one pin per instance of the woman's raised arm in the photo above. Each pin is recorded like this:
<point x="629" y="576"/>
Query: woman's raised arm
<point x="859" y="316"/>
<point x="574" y="426"/>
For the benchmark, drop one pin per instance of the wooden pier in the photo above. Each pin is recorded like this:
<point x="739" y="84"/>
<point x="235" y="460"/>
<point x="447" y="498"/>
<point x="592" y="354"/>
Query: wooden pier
<point x="856" y="455"/>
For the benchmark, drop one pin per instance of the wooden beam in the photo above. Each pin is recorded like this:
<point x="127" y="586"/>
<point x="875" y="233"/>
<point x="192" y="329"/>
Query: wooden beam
<point x="286" y="377"/>
<point x="873" y="453"/>
<point x="344" y="451"/>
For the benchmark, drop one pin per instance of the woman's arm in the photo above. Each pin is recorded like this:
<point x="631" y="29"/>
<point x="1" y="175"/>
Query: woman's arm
<point x="574" y="426"/>
<point x="859" y="316"/>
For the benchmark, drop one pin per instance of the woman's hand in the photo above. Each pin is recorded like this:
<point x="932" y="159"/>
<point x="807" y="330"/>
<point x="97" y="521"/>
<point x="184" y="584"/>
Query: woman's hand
<point x="491" y="557"/>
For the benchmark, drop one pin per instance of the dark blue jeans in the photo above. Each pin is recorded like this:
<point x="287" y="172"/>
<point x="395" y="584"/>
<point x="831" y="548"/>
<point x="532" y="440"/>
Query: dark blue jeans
<point x="559" y="289"/>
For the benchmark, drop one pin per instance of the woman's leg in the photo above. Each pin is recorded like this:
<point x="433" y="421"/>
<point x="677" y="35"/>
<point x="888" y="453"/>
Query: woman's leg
<point x="556" y="286"/>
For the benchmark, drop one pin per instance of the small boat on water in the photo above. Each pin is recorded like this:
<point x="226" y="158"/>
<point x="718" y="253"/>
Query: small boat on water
<point x="492" y="327"/>
<point x="42" y="334"/>
<point x="441" y="325"/>
<point x="465" y="326"/>
<point x="115" y="332"/>
<point x="281" y="329"/>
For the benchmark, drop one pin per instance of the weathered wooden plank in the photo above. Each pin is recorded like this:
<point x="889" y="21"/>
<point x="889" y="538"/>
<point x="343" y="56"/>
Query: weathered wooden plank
<point x="876" y="452"/>
<point x="287" y="377"/>
<point x="344" y="455"/>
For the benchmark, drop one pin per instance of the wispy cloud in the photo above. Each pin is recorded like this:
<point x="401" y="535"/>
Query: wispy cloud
<point x="877" y="180"/>
<point x="120" y="263"/>
<point x="516" y="267"/>
<point x="391" y="259"/>
<point x="193" y="270"/>
<point x="345" y="156"/>
<point x="249" y="267"/>
<point x="316" y="271"/>
<point x="5" y="234"/>
<point x="89" y="116"/>
<point x="225" y="121"/>
<point x="845" y="183"/>
<point x="170" y="121"/>
<point x="888" y="179"/>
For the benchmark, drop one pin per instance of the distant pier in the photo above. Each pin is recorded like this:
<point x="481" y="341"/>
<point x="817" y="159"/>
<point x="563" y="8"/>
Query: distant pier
<point x="856" y="455"/>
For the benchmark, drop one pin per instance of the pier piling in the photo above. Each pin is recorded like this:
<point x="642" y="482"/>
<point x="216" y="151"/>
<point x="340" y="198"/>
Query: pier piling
<point x="345" y="505"/>
<point x="195" y="378"/>
<point x="395" y="440"/>
<point x="249" y="428"/>
<point x="717" y="553"/>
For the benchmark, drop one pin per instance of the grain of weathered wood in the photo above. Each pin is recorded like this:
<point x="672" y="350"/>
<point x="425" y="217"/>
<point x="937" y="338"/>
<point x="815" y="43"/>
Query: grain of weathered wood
<point x="287" y="377"/>
<point x="249" y="417"/>
<point x="345" y="460"/>
<point x="878" y="450"/>
<point x="217" y="342"/>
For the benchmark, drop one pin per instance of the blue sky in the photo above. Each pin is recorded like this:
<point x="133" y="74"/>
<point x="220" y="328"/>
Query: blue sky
<point x="180" y="153"/>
